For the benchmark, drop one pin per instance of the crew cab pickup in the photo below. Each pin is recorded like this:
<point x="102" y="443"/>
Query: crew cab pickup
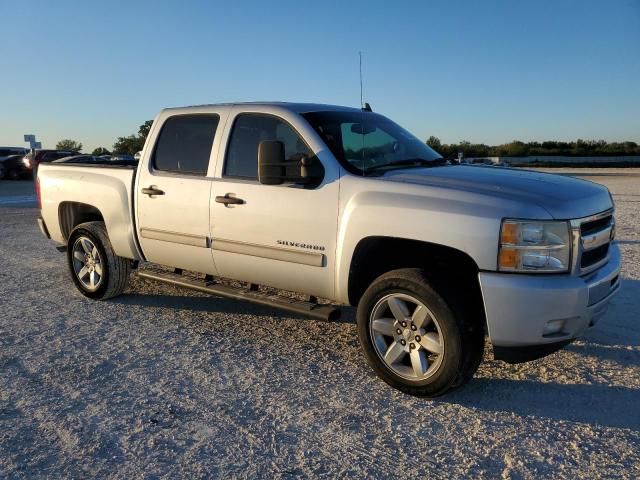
<point x="345" y="205"/>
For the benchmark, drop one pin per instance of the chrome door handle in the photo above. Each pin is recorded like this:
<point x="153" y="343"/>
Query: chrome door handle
<point x="152" y="190"/>
<point x="227" y="200"/>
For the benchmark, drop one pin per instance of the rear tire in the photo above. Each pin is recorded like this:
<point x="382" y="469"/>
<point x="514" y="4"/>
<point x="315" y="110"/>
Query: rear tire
<point x="96" y="270"/>
<point x="414" y="338"/>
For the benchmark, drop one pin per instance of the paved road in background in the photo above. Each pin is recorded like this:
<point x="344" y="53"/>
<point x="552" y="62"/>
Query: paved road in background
<point x="165" y="382"/>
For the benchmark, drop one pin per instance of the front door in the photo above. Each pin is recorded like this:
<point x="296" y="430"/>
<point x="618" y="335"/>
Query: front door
<point x="278" y="235"/>
<point x="173" y="193"/>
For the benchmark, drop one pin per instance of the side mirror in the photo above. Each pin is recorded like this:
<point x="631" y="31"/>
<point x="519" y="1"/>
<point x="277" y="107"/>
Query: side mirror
<point x="271" y="164"/>
<point x="273" y="169"/>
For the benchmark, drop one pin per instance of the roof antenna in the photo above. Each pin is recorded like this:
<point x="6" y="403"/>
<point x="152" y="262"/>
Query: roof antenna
<point x="365" y="106"/>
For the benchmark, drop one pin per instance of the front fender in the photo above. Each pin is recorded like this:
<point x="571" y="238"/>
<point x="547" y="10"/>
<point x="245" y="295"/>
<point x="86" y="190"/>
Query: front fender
<point x="464" y="221"/>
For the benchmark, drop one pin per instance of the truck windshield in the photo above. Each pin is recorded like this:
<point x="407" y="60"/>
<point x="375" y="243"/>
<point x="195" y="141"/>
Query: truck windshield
<point x="366" y="142"/>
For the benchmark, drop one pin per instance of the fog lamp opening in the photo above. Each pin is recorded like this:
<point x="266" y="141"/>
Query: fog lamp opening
<point x="553" y="327"/>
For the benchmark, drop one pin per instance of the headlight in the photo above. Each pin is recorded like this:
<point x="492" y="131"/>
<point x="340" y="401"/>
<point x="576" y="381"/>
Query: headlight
<point x="26" y="162"/>
<point x="530" y="246"/>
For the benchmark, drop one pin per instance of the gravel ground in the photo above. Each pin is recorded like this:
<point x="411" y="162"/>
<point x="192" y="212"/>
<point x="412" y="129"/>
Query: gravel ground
<point x="165" y="383"/>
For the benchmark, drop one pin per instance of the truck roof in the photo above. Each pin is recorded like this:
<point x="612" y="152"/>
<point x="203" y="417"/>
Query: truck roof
<point x="292" y="106"/>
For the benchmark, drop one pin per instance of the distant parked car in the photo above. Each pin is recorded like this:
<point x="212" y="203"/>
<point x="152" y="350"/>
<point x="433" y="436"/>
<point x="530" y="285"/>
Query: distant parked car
<point x="9" y="151"/>
<point x="36" y="157"/>
<point x="123" y="156"/>
<point x="80" y="159"/>
<point x="95" y="160"/>
<point x="6" y="152"/>
<point x="137" y="156"/>
<point x="14" y="167"/>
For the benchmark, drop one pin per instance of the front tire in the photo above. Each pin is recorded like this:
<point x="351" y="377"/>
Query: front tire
<point x="412" y="338"/>
<point x="96" y="270"/>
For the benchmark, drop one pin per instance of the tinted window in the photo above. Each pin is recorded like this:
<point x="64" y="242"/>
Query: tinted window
<point x="367" y="142"/>
<point x="184" y="144"/>
<point x="248" y="131"/>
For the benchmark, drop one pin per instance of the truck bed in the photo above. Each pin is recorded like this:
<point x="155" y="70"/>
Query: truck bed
<point x="66" y="187"/>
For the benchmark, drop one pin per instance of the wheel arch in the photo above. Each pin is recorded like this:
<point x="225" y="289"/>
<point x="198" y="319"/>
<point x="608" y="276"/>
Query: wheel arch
<point x="72" y="214"/>
<point x="447" y="268"/>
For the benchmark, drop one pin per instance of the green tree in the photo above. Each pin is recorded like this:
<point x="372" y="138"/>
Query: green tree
<point x="143" y="131"/>
<point x="133" y="143"/>
<point x="130" y="145"/>
<point x="69" y="145"/>
<point x="100" y="151"/>
<point x="517" y="149"/>
<point x="434" y="142"/>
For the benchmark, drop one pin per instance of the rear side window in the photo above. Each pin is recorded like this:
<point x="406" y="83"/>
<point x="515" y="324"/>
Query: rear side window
<point x="184" y="144"/>
<point x="248" y="131"/>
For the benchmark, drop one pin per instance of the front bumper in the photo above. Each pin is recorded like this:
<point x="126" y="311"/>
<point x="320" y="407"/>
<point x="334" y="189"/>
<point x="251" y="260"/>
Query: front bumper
<point x="546" y="310"/>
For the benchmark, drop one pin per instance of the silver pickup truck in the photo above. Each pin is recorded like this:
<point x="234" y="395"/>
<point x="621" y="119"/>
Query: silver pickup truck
<point x="343" y="204"/>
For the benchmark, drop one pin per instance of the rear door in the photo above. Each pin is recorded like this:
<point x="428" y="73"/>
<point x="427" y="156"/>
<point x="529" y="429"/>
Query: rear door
<point x="174" y="187"/>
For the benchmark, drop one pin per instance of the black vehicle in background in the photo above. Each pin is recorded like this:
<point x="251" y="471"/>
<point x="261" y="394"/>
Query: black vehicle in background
<point x="36" y="157"/>
<point x="14" y="167"/>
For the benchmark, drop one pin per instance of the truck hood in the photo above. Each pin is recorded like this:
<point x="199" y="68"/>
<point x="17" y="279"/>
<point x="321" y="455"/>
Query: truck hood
<point x="563" y="197"/>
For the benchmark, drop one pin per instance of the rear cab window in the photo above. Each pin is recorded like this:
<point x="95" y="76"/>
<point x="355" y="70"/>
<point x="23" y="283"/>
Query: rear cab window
<point x="184" y="144"/>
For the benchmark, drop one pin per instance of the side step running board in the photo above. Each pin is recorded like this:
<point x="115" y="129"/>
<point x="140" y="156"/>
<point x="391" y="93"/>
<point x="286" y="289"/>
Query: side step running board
<point x="321" y="312"/>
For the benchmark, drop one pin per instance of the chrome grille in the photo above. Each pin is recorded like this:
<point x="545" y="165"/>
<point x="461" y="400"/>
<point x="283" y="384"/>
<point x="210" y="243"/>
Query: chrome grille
<point x="592" y="237"/>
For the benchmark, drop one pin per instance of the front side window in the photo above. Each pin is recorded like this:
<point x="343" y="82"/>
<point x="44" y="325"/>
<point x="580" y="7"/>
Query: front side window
<point x="365" y="142"/>
<point x="184" y="144"/>
<point x="248" y="131"/>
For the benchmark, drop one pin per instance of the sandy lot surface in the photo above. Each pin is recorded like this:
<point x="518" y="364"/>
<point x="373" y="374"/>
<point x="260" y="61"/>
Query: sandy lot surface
<point x="164" y="382"/>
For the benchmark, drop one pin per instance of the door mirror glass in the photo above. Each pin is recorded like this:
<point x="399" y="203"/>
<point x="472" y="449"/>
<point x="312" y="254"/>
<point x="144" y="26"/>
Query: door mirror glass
<point x="271" y="164"/>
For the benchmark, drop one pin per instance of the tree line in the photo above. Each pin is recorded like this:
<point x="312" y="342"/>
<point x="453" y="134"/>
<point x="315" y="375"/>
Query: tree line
<point x="579" y="148"/>
<point x="124" y="145"/>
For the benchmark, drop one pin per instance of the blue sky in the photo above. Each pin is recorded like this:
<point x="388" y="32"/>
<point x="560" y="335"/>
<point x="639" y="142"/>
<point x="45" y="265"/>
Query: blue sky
<point x="483" y="71"/>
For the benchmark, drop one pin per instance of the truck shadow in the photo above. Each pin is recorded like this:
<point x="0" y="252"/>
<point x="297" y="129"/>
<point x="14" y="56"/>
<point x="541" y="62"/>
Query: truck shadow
<point x="593" y="404"/>
<point x="615" y="339"/>
<point x="614" y="342"/>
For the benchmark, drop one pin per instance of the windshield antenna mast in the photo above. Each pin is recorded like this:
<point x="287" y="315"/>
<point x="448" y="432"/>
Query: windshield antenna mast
<point x="361" y="94"/>
<point x="364" y="106"/>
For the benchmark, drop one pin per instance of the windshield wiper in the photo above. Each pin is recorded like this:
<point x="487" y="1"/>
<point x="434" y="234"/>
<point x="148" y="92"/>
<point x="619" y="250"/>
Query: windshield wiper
<point x="408" y="163"/>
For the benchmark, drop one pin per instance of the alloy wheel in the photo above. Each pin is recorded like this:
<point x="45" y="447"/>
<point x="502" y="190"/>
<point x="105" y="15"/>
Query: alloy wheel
<point x="87" y="263"/>
<point x="406" y="336"/>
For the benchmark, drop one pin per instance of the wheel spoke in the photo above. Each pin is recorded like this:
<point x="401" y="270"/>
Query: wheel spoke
<point x="92" y="279"/>
<point x="83" y="272"/>
<point x="419" y="362"/>
<point x="78" y="256"/>
<point x="431" y="342"/>
<point x="94" y="252"/>
<point x="398" y="308"/>
<point x="99" y="269"/>
<point x="394" y="353"/>
<point x="384" y="326"/>
<point x="86" y="245"/>
<point x="421" y="317"/>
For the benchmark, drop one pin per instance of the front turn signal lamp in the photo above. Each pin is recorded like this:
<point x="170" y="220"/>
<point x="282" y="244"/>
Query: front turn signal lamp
<point x="534" y="247"/>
